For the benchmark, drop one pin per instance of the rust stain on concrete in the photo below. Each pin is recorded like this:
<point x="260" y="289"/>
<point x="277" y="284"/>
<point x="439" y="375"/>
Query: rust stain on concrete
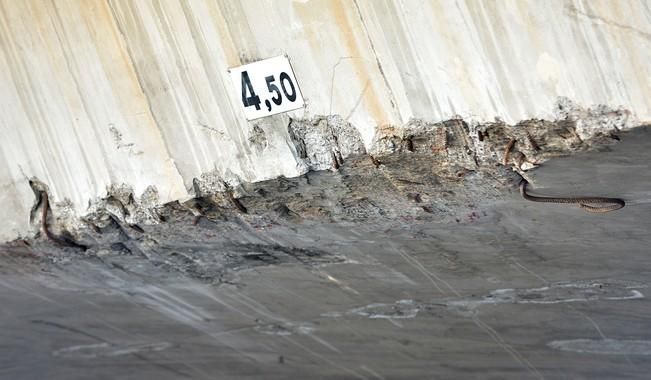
<point x="312" y="15"/>
<point x="350" y="34"/>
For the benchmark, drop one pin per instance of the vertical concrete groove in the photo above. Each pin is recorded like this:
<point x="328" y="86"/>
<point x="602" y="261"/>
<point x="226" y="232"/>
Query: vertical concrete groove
<point x="123" y="42"/>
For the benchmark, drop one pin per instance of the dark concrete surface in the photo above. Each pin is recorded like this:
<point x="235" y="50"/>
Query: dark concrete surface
<point x="512" y="290"/>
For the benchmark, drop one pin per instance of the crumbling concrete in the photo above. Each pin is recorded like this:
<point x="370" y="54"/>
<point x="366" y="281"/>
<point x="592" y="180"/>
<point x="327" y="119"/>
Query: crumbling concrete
<point x="419" y="170"/>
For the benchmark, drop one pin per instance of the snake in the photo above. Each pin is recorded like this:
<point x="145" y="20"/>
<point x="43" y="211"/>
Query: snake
<point x="586" y="203"/>
<point x="61" y="240"/>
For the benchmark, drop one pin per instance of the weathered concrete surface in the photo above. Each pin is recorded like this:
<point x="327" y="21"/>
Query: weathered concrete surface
<point x="102" y="93"/>
<point x="504" y="288"/>
<point x="421" y="167"/>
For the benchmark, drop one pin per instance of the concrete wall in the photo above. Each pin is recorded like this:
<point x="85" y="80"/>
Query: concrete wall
<point x="136" y="92"/>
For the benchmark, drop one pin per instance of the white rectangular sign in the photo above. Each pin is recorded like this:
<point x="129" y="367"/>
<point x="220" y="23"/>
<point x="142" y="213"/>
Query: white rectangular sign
<point x="266" y="87"/>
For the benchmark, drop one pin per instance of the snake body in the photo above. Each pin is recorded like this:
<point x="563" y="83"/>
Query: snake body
<point x="586" y="203"/>
<point x="64" y="241"/>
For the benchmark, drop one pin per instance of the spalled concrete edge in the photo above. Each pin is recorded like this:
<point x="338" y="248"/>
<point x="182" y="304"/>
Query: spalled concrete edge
<point x="324" y="143"/>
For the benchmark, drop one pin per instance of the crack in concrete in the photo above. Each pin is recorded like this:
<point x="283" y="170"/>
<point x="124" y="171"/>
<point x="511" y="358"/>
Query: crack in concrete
<point x="596" y="19"/>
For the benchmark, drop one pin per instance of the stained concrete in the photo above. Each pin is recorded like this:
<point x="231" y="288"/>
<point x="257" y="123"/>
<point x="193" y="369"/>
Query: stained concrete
<point x="502" y="288"/>
<point x="102" y="93"/>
